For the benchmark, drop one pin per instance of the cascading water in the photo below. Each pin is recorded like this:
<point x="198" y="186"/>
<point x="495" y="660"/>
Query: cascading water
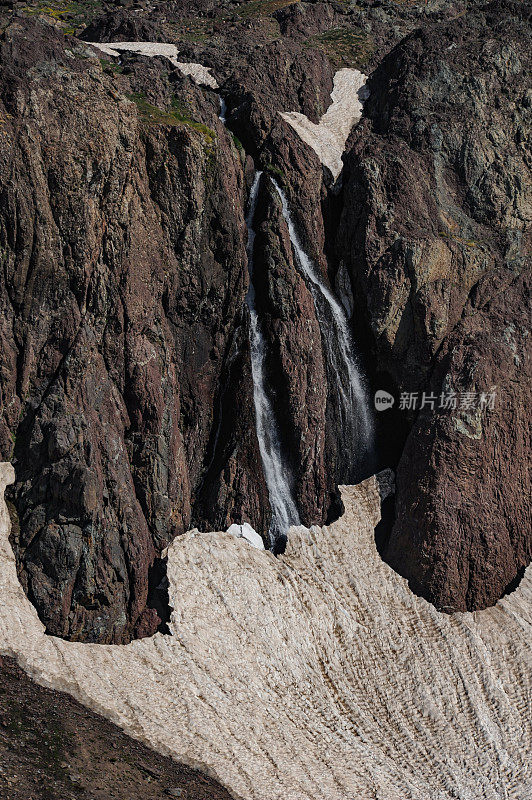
<point x="276" y="472"/>
<point x="223" y="110"/>
<point x="344" y="373"/>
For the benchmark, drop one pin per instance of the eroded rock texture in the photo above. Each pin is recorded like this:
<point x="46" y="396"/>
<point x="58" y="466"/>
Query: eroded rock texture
<point x="436" y="234"/>
<point x="123" y="284"/>
<point x="125" y="389"/>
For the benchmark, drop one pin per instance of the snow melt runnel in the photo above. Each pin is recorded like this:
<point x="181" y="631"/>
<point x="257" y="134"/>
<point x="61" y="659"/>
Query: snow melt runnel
<point x="313" y="676"/>
<point x="198" y="72"/>
<point x="328" y="138"/>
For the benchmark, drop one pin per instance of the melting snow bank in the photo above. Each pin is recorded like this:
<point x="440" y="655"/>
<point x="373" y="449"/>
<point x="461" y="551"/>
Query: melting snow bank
<point x="246" y="532"/>
<point x="315" y="675"/>
<point x="329" y="137"/>
<point x="198" y="72"/>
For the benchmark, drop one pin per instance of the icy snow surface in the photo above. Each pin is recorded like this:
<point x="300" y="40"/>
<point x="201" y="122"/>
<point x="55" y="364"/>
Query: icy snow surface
<point x="313" y="676"/>
<point x="329" y="137"/>
<point x="246" y="532"/>
<point x="198" y="72"/>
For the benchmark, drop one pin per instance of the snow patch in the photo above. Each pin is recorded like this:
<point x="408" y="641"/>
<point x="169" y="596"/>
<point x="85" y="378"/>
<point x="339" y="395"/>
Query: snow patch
<point x="198" y="72"/>
<point x="317" y="674"/>
<point x="328" y="138"/>
<point x="246" y="532"/>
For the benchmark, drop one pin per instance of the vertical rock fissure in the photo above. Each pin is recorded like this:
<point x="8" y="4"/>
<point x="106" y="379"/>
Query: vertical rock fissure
<point x="276" y="471"/>
<point x="356" y="436"/>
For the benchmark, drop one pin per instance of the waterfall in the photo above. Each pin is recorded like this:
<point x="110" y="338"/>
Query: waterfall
<point x="343" y="373"/>
<point x="342" y="367"/>
<point x="223" y="110"/>
<point x="276" y="472"/>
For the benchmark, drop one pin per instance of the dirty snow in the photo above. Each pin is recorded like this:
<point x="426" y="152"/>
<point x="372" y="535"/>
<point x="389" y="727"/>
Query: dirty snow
<point x="198" y="72"/>
<point x="329" y="137"/>
<point x="317" y="675"/>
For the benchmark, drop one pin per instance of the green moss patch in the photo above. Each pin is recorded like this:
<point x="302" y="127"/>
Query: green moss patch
<point x="111" y="66"/>
<point x="176" y="115"/>
<point x="343" y="47"/>
<point x="76" y="14"/>
<point x="238" y="144"/>
<point x="275" y="171"/>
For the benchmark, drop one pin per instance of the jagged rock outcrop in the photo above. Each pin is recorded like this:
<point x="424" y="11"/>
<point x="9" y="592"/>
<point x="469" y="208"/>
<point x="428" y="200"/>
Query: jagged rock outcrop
<point x="468" y="518"/>
<point x="131" y="386"/>
<point x="435" y="233"/>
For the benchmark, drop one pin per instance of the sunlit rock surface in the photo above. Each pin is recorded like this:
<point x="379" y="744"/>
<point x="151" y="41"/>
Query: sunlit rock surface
<point x="314" y="675"/>
<point x="328" y="138"/>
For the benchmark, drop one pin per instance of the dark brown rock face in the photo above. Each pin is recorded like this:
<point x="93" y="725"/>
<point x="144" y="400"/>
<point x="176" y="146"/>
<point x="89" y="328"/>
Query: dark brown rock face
<point x="463" y="504"/>
<point x="123" y="282"/>
<point x="297" y="372"/>
<point x="435" y="232"/>
<point x="127" y="402"/>
<point x="53" y="747"/>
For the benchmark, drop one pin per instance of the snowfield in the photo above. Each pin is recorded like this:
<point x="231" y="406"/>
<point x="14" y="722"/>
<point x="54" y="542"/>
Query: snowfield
<point x="316" y="675"/>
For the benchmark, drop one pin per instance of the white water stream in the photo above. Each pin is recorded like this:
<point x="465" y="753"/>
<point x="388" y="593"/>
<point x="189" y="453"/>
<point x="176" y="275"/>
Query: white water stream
<point x="343" y="369"/>
<point x="276" y="471"/>
<point x="223" y="110"/>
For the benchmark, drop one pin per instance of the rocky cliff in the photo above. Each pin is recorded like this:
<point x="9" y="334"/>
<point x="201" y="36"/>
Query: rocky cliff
<point x="124" y="277"/>
<point x="126" y="399"/>
<point x="436" y="235"/>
